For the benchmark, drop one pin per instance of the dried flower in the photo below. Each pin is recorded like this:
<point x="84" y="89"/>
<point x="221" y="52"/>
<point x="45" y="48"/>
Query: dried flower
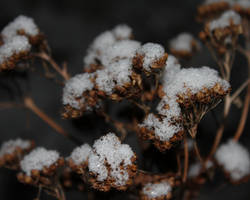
<point x="40" y="167"/>
<point x="111" y="164"/>
<point x="78" y="160"/>
<point x="158" y="190"/>
<point x="184" y="45"/>
<point x="235" y="160"/>
<point x="12" y="152"/>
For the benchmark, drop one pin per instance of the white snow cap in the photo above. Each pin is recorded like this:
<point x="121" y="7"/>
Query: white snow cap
<point x="22" y="22"/>
<point x="13" y="46"/>
<point x="164" y="129"/>
<point x="171" y="69"/>
<point x="119" y="50"/>
<point x="104" y="40"/>
<point x="195" y="80"/>
<point x="10" y="146"/>
<point x="195" y="169"/>
<point x="109" y="149"/>
<point x="74" y="88"/>
<point x="154" y="190"/>
<point x="151" y="52"/>
<point x="183" y="42"/>
<point x="38" y="159"/>
<point x="224" y="20"/>
<point x="117" y="74"/>
<point x="234" y="158"/>
<point x="80" y="154"/>
<point x="122" y="31"/>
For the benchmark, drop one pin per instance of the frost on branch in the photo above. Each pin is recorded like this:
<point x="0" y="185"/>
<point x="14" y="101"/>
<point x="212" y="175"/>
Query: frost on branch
<point x="78" y="160"/>
<point x="18" y="37"/>
<point x="187" y="97"/>
<point x="39" y="165"/>
<point x="13" y="150"/>
<point x="184" y="45"/>
<point x="157" y="190"/>
<point x="235" y="160"/>
<point x="111" y="164"/>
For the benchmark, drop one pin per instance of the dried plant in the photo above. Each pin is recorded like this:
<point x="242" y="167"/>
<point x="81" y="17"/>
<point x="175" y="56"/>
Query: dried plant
<point x="172" y="98"/>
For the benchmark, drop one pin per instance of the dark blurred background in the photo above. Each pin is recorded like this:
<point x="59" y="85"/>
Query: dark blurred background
<point x="70" y="26"/>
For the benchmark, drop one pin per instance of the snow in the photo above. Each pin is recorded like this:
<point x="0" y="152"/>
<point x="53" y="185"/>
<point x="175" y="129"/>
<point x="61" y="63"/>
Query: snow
<point x="151" y="52"/>
<point x="104" y="81"/>
<point x="171" y="69"/>
<point x="154" y="190"/>
<point x="224" y="20"/>
<point x="10" y="146"/>
<point x="75" y="87"/>
<point x="118" y="157"/>
<point x="164" y="130"/>
<point x="80" y="154"/>
<point x="183" y="42"/>
<point x="234" y="158"/>
<point x="13" y="46"/>
<point x="22" y="22"/>
<point x="195" y="169"/>
<point x="38" y="159"/>
<point x="119" y="50"/>
<point x="122" y="31"/>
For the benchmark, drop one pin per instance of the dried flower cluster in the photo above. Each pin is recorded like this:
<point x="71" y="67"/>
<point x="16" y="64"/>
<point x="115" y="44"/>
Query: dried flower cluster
<point x="172" y="100"/>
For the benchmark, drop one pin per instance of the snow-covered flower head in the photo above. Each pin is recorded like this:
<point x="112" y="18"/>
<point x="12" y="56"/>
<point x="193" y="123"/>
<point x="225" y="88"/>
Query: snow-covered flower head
<point x="40" y="166"/>
<point x="111" y="163"/>
<point x="157" y="190"/>
<point x="149" y="57"/>
<point x="78" y="95"/>
<point x="12" y="151"/>
<point x="78" y="159"/>
<point x="235" y="159"/>
<point x="184" y="45"/>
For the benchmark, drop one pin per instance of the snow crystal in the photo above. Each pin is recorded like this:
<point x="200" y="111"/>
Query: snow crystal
<point x="74" y="89"/>
<point x="10" y="146"/>
<point x="171" y="69"/>
<point x="13" y="46"/>
<point x="183" y="42"/>
<point x="80" y="154"/>
<point x="224" y="20"/>
<point x="121" y="71"/>
<point x="151" y="52"/>
<point x="163" y="129"/>
<point x="154" y="190"/>
<point x="37" y="159"/>
<point x="109" y="149"/>
<point x="234" y="158"/>
<point x="122" y="31"/>
<point x="120" y="49"/>
<point x="24" y="23"/>
<point x="98" y="46"/>
<point x="104" y="81"/>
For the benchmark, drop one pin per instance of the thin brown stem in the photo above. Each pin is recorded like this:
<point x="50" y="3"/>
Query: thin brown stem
<point x="185" y="170"/>
<point x="62" y="71"/>
<point x="29" y="103"/>
<point x="244" y="114"/>
<point x="197" y="151"/>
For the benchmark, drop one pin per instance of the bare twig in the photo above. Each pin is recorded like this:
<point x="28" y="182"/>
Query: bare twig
<point x="185" y="170"/>
<point x="62" y="71"/>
